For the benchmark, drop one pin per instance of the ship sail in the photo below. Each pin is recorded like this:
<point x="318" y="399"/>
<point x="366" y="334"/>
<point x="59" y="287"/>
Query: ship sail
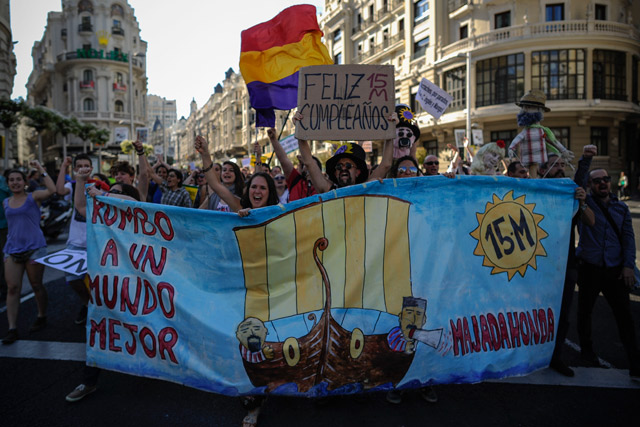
<point x="367" y="260"/>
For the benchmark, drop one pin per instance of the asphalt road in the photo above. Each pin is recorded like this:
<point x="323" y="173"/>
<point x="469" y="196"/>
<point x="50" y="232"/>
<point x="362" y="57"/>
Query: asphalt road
<point x="39" y="370"/>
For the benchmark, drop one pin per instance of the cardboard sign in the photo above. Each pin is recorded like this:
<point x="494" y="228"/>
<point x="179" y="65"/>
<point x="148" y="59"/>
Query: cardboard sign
<point x="120" y="134"/>
<point x="346" y="102"/>
<point x="460" y="135"/>
<point x="289" y="144"/>
<point x="433" y="99"/>
<point x="476" y="137"/>
<point x="67" y="260"/>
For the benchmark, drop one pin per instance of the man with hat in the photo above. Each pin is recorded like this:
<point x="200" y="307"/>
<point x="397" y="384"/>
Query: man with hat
<point x="347" y="166"/>
<point x="534" y="138"/>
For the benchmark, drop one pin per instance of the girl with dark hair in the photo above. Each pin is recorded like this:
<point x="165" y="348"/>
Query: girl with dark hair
<point x="25" y="243"/>
<point x="232" y="178"/>
<point x="260" y="192"/>
<point x="405" y="167"/>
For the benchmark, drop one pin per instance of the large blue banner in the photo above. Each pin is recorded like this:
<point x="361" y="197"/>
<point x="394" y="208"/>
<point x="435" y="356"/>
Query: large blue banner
<point x="403" y="283"/>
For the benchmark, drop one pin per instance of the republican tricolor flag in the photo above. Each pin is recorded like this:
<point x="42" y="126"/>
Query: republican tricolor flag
<point x="271" y="55"/>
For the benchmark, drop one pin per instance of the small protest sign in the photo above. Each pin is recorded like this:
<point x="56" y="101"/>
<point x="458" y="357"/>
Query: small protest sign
<point x="120" y="134"/>
<point x="142" y="134"/>
<point x="460" y="135"/>
<point x="289" y="144"/>
<point x="476" y="137"/>
<point x="346" y="102"/>
<point x="433" y="99"/>
<point x="67" y="260"/>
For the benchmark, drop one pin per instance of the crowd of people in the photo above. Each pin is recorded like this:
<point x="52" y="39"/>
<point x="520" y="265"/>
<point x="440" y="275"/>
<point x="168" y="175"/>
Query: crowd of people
<point x="603" y="261"/>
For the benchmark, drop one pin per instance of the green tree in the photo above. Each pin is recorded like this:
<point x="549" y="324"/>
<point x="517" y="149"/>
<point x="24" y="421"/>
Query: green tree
<point x="40" y="119"/>
<point x="9" y="116"/>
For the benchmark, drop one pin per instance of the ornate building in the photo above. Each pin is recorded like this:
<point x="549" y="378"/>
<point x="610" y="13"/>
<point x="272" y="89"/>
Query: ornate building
<point x="90" y="64"/>
<point x="7" y="57"/>
<point x="582" y="54"/>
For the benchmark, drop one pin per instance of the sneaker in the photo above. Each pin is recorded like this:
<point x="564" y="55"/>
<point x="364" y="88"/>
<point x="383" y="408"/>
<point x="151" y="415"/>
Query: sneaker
<point x="80" y="392"/>
<point x="81" y="319"/>
<point x="39" y="324"/>
<point x="12" y="336"/>
<point x="558" y="366"/>
<point x="429" y="394"/>
<point x="394" y="396"/>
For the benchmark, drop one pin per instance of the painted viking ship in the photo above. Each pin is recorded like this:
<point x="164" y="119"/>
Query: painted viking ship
<point x="330" y="262"/>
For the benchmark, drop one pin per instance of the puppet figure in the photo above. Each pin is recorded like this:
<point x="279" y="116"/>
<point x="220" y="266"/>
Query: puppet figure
<point x="406" y="132"/>
<point x="487" y="158"/>
<point x="535" y="138"/>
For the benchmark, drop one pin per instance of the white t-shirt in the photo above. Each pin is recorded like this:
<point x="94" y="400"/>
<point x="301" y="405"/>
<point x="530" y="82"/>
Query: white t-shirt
<point x="77" y="229"/>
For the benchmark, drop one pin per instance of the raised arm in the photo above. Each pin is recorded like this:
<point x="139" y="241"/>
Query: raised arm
<point x="79" y="197"/>
<point x="40" y="195"/>
<point x="60" y="188"/>
<point x="287" y="165"/>
<point x="387" y="154"/>
<point x="202" y="147"/>
<point x="320" y="183"/>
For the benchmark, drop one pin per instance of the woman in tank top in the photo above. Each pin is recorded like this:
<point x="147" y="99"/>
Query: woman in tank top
<point x="25" y="243"/>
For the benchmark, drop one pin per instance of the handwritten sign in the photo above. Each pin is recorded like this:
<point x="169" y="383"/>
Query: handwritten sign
<point x="67" y="260"/>
<point x="346" y="102"/>
<point x="142" y="134"/>
<point x="120" y="134"/>
<point x="289" y="144"/>
<point x="433" y="99"/>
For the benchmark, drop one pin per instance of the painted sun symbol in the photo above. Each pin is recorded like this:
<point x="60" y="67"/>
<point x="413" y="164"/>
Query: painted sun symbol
<point x="406" y="114"/>
<point x="509" y="235"/>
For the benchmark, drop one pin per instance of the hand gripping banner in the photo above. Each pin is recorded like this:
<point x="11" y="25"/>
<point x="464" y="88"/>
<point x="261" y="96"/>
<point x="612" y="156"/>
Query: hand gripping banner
<point x="398" y="284"/>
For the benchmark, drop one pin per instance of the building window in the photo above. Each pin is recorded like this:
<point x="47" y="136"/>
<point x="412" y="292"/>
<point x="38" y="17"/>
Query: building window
<point x="600" y="138"/>
<point x="420" y="11"/>
<point x="119" y="78"/>
<point x="85" y="24"/>
<point x="502" y="20"/>
<point x="560" y="74"/>
<point x="415" y="104"/>
<point x="86" y="47"/>
<point x="609" y="74"/>
<point x="116" y="10"/>
<point x="85" y="6"/>
<point x="563" y="136"/>
<point x="634" y="80"/>
<point x="499" y="80"/>
<point x="88" y="105"/>
<point x="601" y="12"/>
<point x="464" y="31"/>
<point x="431" y="147"/>
<point x="338" y="58"/>
<point x="455" y="82"/>
<point x="506" y="135"/>
<point x="420" y="47"/>
<point x="87" y="75"/>
<point x="555" y="12"/>
<point x="337" y="35"/>
<point x="119" y="107"/>
<point x="401" y="25"/>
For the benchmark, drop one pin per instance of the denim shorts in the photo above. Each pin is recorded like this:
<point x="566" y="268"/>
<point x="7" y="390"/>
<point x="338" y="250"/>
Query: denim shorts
<point x="37" y="253"/>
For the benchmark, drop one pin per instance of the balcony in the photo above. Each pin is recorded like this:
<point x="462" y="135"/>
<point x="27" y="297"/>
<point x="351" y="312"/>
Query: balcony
<point x="117" y="31"/>
<point x="87" y="85"/>
<point x="85" y="28"/>
<point x="556" y="29"/>
<point x="118" y="87"/>
<point x="386" y="46"/>
<point x="453" y="5"/>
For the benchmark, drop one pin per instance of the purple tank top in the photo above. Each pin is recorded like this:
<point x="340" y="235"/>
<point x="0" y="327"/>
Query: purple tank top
<point x="24" y="232"/>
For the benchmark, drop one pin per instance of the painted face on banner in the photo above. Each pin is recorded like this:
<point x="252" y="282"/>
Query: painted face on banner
<point x="252" y="334"/>
<point x="411" y="318"/>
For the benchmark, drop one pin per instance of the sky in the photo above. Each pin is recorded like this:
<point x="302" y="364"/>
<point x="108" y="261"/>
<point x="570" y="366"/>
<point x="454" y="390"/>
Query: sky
<point x="190" y="43"/>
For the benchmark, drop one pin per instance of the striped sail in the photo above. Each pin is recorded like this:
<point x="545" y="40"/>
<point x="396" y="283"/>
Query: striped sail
<point x="367" y="260"/>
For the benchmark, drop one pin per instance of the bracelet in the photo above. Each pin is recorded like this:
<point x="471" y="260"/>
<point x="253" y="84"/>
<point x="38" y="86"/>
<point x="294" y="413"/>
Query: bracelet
<point x="208" y="168"/>
<point x="140" y="153"/>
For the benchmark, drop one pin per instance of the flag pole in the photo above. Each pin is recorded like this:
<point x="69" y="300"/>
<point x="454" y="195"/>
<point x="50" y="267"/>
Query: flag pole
<point x="281" y="130"/>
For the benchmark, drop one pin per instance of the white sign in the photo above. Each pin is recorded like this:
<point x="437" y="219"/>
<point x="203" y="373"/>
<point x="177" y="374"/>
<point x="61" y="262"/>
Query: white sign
<point x="246" y="162"/>
<point x="120" y="134"/>
<point x="157" y="149"/>
<point x="290" y="144"/>
<point x="476" y="136"/>
<point x="367" y="146"/>
<point x="67" y="260"/>
<point x="433" y="99"/>
<point x="460" y="137"/>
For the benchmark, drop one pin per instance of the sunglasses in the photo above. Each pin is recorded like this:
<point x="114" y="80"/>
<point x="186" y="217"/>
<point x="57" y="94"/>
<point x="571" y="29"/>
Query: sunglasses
<point x="600" y="180"/>
<point x="279" y="177"/>
<point x="410" y="169"/>
<point x="344" y="166"/>
<point x="115" y="191"/>
<point x="431" y="163"/>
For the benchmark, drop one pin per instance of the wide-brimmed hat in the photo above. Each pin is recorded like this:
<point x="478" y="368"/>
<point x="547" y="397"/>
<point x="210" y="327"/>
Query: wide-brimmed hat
<point x="406" y="118"/>
<point x="534" y="98"/>
<point x="351" y="151"/>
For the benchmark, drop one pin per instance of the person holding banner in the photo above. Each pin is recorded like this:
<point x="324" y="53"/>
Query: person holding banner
<point x="25" y="243"/>
<point x="405" y="167"/>
<point x="260" y="191"/>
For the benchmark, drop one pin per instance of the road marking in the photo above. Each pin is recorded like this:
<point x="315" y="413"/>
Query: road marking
<point x="23" y="299"/>
<point x="585" y="377"/>
<point x="45" y="350"/>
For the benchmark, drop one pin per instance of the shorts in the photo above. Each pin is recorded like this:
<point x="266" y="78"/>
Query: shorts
<point x="31" y="256"/>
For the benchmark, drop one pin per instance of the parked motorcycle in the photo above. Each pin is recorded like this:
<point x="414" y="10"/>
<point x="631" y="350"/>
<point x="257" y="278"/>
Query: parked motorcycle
<point x="55" y="213"/>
